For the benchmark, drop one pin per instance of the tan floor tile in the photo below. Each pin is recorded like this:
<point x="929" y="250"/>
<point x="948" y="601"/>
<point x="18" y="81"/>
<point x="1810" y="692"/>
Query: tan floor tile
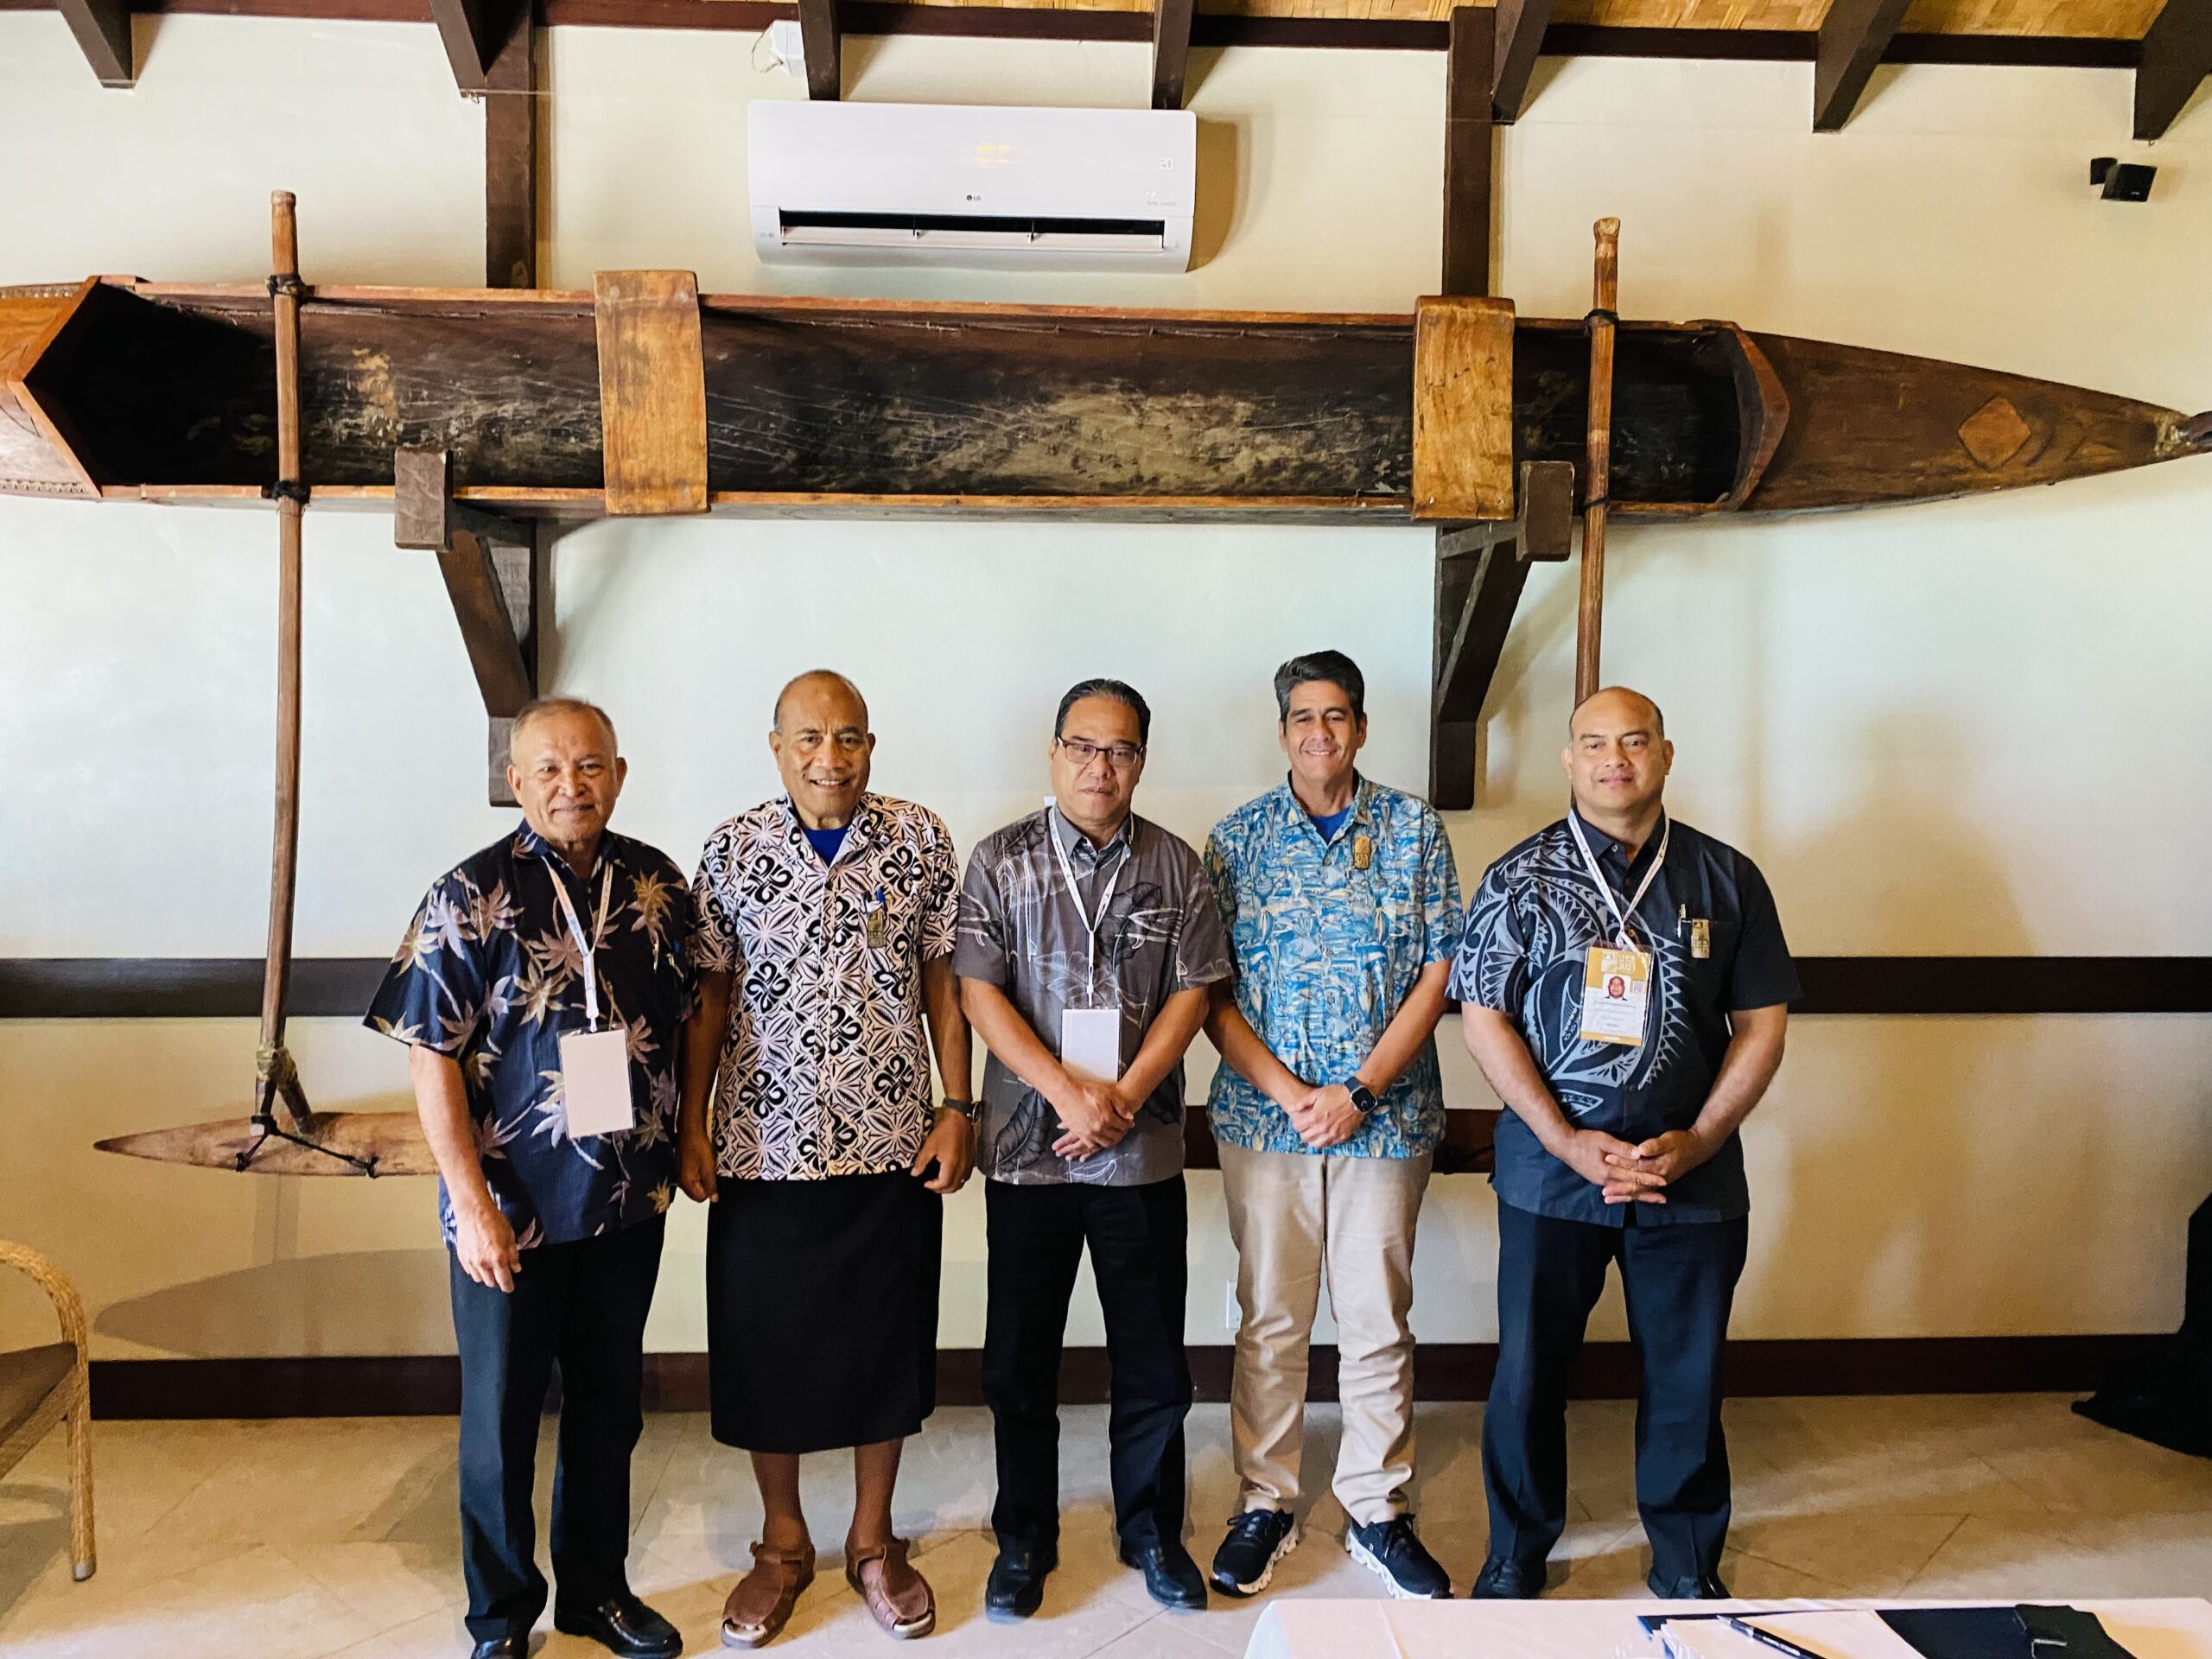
<point x="252" y="1603"/>
<point x="1864" y="1552"/>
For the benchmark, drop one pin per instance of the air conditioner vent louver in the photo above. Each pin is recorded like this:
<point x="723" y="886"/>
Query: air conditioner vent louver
<point x="1014" y="188"/>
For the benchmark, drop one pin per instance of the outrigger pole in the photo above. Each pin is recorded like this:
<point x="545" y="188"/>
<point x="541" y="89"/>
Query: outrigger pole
<point x="276" y="1077"/>
<point x="1590" y="611"/>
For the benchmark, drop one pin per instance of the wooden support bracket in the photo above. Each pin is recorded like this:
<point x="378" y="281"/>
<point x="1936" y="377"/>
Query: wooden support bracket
<point x="1521" y="26"/>
<point x="475" y="32"/>
<point x="103" y="32"/>
<point x="1480" y="570"/>
<point x="1853" y="36"/>
<point x="490" y="566"/>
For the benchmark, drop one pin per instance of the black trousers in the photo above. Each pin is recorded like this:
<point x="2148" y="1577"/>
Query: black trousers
<point x="581" y="1305"/>
<point x="1679" y="1281"/>
<point x="1137" y="1237"/>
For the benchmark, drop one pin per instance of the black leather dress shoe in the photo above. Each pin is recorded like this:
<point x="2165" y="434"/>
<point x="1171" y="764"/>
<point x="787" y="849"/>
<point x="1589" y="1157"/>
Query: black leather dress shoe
<point x="1508" y="1581"/>
<point x="501" y="1647"/>
<point x="623" y="1624"/>
<point x="1016" y="1586"/>
<point x="1171" y="1577"/>
<point x="1705" y="1587"/>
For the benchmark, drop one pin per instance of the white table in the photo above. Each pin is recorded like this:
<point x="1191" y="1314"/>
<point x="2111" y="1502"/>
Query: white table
<point x="2176" y="1628"/>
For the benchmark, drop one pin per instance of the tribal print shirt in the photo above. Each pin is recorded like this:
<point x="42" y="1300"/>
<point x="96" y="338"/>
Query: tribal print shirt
<point x="490" y="975"/>
<point x="1020" y="932"/>
<point x="1529" y="928"/>
<point x="1326" y="954"/>
<point x="825" y="1069"/>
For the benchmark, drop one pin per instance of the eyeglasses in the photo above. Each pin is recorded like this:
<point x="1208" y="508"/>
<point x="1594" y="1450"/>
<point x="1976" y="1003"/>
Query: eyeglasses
<point x="1120" y="756"/>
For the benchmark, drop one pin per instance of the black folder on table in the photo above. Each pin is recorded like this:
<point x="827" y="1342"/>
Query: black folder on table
<point x="2027" y="1631"/>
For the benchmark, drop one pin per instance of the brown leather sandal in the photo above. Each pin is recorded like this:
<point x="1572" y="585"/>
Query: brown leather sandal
<point x="897" y="1596"/>
<point x="761" y="1606"/>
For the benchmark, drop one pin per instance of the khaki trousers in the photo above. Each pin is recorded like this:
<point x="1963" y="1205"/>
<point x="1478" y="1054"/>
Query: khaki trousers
<point x="1294" y="1216"/>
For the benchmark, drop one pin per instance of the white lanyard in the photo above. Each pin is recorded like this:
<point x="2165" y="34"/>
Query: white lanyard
<point x="1075" y="894"/>
<point x="1621" y="918"/>
<point x="584" y="946"/>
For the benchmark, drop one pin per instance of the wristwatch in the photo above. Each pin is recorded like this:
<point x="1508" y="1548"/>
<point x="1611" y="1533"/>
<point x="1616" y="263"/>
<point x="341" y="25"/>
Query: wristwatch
<point x="1361" y="1096"/>
<point x="970" y="1109"/>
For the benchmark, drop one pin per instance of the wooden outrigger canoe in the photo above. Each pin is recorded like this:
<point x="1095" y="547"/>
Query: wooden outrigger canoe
<point x="120" y="389"/>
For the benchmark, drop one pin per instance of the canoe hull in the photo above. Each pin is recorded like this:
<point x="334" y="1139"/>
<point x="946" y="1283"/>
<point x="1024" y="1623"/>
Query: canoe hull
<point x="393" y="1139"/>
<point x="819" y="407"/>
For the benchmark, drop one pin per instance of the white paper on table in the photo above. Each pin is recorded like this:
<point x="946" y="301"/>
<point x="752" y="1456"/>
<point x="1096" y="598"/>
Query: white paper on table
<point x="595" y="1083"/>
<point x="1090" y="1044"/>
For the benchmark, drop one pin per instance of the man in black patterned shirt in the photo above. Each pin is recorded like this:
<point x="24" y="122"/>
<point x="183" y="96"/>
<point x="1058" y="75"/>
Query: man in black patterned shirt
<point x="1624" y="987"/>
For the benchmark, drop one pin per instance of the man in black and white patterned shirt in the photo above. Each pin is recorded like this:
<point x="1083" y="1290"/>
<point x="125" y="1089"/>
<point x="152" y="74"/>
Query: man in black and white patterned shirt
<point x="826" y="927"/>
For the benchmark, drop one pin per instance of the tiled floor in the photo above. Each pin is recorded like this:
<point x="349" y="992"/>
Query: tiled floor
<point x="302" y="1538"/>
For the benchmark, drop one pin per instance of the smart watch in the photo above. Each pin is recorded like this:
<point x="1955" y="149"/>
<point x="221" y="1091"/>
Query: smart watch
<point x="1361" y="1096"/>
<point x="970" y="1109"/>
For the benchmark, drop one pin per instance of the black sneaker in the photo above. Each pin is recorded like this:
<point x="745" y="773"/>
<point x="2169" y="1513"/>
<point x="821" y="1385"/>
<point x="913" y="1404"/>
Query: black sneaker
<point x="1257" y="1540"/>
<point x="1389" y="1550"/>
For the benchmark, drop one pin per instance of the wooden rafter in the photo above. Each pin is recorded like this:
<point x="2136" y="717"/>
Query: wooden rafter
<point x="1853" y="36"/>
<point x="820" y="40"/>
<point x="475" y="32"/>
<point x="1171" y="51"/>
<point x="103" y="32"/>
<point x="1521" y="26"/>
<point x="2176" y="57"/>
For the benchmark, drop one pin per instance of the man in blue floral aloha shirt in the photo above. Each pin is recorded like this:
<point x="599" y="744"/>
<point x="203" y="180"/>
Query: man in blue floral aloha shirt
<point x="1343" y="912"/>
<point x="558" y="930"/>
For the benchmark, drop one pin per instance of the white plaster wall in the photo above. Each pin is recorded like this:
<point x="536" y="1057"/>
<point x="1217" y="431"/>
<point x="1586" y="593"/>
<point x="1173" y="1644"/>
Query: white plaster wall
<point x="1960" y="729"/>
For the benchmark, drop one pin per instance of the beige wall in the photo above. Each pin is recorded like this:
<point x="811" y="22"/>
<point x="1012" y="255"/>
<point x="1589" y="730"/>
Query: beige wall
<point x="1960" y="729"/>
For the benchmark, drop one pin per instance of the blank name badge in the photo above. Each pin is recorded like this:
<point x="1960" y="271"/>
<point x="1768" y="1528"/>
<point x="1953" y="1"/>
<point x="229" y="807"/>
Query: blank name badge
<point x="1090" y="1044"/>
<point x="1615" y="991"/>
<point x="595" y="1083"/>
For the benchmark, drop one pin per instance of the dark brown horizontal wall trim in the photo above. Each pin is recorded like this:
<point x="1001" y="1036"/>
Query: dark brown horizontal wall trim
<point x="155" y="988"/>
<point x="430" y="1384"/>
<point x="1208" y="29"/>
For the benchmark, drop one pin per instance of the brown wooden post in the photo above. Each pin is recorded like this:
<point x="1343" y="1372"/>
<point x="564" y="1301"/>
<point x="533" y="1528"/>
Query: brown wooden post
<point x="1469" y="80"/>
<point x="1589" y="621"/>
<point x="274" y="1074"/>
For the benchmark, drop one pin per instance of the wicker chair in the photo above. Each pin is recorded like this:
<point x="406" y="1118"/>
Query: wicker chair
<point x="41" y="1386"/>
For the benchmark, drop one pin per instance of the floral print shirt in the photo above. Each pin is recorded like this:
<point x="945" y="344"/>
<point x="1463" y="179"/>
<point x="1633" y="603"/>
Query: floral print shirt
<point x="1330" y="933"/>
<point x="490" y="974"/>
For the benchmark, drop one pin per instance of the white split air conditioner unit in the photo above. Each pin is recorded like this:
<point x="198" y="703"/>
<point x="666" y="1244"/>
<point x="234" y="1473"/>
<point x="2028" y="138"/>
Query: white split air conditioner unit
<point x="1011" y="189"/>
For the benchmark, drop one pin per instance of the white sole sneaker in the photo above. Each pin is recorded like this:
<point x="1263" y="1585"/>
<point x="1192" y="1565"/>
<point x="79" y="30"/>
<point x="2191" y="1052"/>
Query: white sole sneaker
<point x="1360" y="1553"/>
<point x="1289" y="1542"/>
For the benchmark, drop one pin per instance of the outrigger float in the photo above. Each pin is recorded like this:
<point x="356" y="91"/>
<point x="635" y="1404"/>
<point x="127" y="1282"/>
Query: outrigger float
<point x="465" y="410"/>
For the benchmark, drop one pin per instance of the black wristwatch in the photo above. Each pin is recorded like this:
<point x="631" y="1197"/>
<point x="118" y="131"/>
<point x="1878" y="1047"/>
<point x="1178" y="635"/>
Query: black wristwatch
<point x="1361" y="1096"/>
<point x="970" y="1109"/>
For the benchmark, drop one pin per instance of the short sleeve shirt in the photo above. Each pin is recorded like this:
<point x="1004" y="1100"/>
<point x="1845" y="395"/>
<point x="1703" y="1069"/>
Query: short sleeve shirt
<point x="490" y="974"/>
<point x="1530" y="926"/>
<point x="1329" y="934"/>
<point x="1159" y="933"/>
<point x="825" y="1067"/>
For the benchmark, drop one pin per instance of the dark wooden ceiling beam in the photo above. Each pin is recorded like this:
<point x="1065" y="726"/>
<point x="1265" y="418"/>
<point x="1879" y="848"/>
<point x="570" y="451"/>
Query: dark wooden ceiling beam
<point x="1521" y="26"/>
<point x="820" y="40"/>
<point x="1852" y="38"/>
<point x="475" y="32"/>
<point x="1171" y="51"/>
<point x="2176" y="56"/>
<point x="103" y="32"/>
